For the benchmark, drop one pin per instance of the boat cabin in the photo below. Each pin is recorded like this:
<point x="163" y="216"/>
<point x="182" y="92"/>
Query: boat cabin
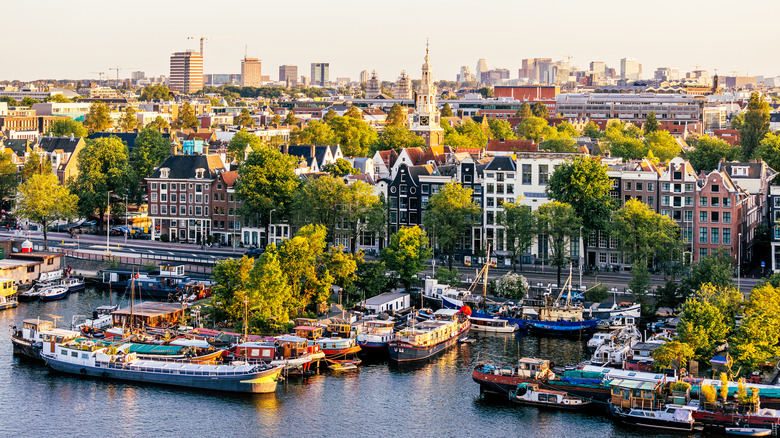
<point x="446" y="314"/>
<point x="308" y="332"/>
<point x="492" y="323"/>
<point x="292" y="346"/>
<point x="172" y="270"/>
<point x="32" y="328"/>
<point x="630" y="394"/>
<point x="7" y="293"/>
<point x="148" y="314"/>
<point x="533" y="368"/>
<point x="53" y="337"/>
<point x="379" y="326"/>
<point x="306" y="321"/>
<point x="256" y="351"/>
<point x="340" y="330"/>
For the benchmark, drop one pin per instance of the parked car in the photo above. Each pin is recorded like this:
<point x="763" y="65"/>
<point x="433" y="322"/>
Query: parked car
<point x="254" y="253"/>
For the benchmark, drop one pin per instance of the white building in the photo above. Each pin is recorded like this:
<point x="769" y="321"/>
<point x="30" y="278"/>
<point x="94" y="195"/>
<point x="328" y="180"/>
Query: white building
<point x="630" y="69"/>
<point x="387" y="302"/>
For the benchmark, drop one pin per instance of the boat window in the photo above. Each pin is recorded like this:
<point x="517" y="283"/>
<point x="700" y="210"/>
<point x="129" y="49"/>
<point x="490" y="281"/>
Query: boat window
<point x="637" y="393"/>
<point x="64" y="352"/>
<point x="84" y="356"/>
<point x="632" y="374"/>
<point x="74" y="353"/>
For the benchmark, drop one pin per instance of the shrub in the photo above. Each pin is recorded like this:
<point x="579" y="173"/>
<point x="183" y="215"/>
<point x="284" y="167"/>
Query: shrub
<point x="709" y="394"/>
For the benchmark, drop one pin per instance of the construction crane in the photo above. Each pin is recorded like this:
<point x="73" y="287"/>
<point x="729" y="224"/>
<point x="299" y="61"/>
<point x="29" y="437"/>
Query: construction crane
<point x="100" y="74"/>
<point x="568" y="57"/>
<point x="202" y="40"/>
<point x="117" y="69"/>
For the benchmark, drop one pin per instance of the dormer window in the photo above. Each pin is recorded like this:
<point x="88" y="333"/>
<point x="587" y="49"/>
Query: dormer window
<point x="739" y="171"/>
<point x="199" y="173"/>
<point x="164" y="172"/>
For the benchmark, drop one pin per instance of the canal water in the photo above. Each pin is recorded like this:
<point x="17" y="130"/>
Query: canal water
<point x="432" y="399"/>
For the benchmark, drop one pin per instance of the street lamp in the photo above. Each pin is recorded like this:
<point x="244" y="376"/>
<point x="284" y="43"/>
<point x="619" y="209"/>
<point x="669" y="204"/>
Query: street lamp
<point x="127" y="230"/>
<point x="580" y="251"/>
<point x="108" y="221"/>
<point x="739" y="260"/>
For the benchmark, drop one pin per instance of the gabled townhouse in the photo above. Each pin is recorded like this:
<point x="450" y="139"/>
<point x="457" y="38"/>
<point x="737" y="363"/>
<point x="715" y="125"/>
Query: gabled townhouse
<point x="725" y="214"/>
<point x="225" y="220"/>
<point x="678" y="194"/>
<point x="773" y="221"/>
<point x="313" y="158"/>
<point x="179" y="194"/>
<point x="63" y="153"/>
<point x="383" y="162"/>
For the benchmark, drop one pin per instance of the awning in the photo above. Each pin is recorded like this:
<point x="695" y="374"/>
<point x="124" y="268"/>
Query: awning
<point x="720" y="360"/>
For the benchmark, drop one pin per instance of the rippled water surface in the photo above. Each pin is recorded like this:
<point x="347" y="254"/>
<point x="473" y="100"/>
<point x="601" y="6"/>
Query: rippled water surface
<point x="432" y="399"/>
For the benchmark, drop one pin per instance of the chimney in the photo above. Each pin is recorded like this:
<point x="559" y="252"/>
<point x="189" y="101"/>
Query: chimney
<point x="312" y="153"/>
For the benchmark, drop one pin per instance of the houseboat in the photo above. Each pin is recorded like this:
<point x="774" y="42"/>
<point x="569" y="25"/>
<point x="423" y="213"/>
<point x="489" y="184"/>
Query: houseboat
<point x="28" y="341"/>
<point x="8" y="297"/>
<point x="494" y="325"/>
<point x="640" y="403"/>
<point x="98" y="359"/>
<point x="608" y="310"/>
<point x="531" y="394"/>
<point x="100" y="319"/>
<point x="375" y="335"/>
<point x="337" y="347"/>
<point x="428" y="338"/>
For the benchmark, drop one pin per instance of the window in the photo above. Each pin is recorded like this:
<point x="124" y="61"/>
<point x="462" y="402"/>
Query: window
<point x="173" y="209"/>
<point x="404" y="189"/>
<point x="665" y="187"/>
<point x="173" y="197"/>
<point x="702" y="216"/>
<point x="424" y="188"/>
<point x="491" y="188"/>
<point x="727" y="202"/>
<point x="489" y="201"/>
<point x="715" y="202"/>
<point x="715" y="217"/>
<point x="154" y="208"/>
<point x="500" y="177"/>
<point x="677" y="215"/>
<point x="613" y="258"/>
<point x="687" y="234"/>
<point x="650" y="187"/>
<point x="727" y="236"/>
<point x="689" y="201"/>
<point x="702" y="253"/>
<point x="490" y="175"/>
<point x="677" y="175"/>
<point x="490" y="218"/>
<point x="478" y="190"/>
<point x="510" y="176"/>
<point x="163" y="186"/>
<point x="206" y="198"/>
<point x="666" y="213"/>
<point x="702" y="234"/>
<point x="639" y="186"/>
<point x="715" y="236"/>
<point x="651" y="202"/>
<point x="190" y="198"/>
<point x="198" y="198"/>
<point x="163" y="197"/>
<point x="154" y="197"/>
<point x="404" y="204"/>
<point x="173" y="223"/>
<point x="726" y="217"/>
<point x="154" y="187"/>
<point x="688" y="216"/>
<point x="665" y="200"/>
<point x="678" y="201"/>
<point x="703" y="201"/>
<point x="602" y="257"/>
<point x="198" y="211"/>
<point x="198" y="188"/>
<point x="182" y="186"/>
<point x="678" y="188"/>
<point x="715" y="188"/>
<point x="544" y="174"/>
<point x="163" y="209"/>
<point x="689" y="187"/>
<point x="526" y="174"/>
<point x="627" y="185"/>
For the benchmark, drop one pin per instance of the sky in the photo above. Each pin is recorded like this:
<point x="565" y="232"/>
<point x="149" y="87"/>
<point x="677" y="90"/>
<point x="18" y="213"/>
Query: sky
<point x="77" y="39"/>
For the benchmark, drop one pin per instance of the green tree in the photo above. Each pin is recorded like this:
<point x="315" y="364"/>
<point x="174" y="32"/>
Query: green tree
<point x="103" y="166"/>
<point x="702" y="327"/>
<point x="501" y="129"/>
<point x="708" y="151"/>
<point x="644" y="235"/>
<point x="354" y="112"/>
<point x="353" y="135"/>
<point x="664" y="355"/>
<point x="231" y="281"/>
<point x="159" y="124"/>
<point x="670" y="295"/>
<point x="535" y="128"/>
<point x="98" y="118"/>
<point x="266" y="181"/>
<point x="65" y="127"/>
<point x="128" y="121"/>
<point x="476" y="133"/>
<point x="156" y="92"/>
<point x="597" y="294"/>
<point x="486" y="92"/>
<point x="737" y="121"/>
<point x="446" y="110"/>
<point x="769" y="150"/>
<point x="651" y="123"/>
<point x="663" y="145"/>
<point x="8" y="178"/>
<point x="524" y="111"/>
<point x="244" y="118"/>
<point x="397" y="138"/>
<point x="406" y="254"/>
<point x="512" y="286"/>
<point x="583" y="183"/>
<point x="241" y="144"/>
<point x="716" y="269"/>
<point x="519" y="229"/>
<point x="302" y="259"/>
<point x="567" y="129"/>
<point x="449" y="215"/>
<point x="591" y="130"/>
<point x="35" y="164"/>
<point x="149" y="151"/>
<point x="557" y="222"/>
<point x="756" y="124"/>
<point x="560" y="144"/>
<point x="316" y="202"/>
<point x="628" y="148"/>
<point x="270" y="292"/>
<point x="9" y="100"/>
<point x="340" y="168"/>
<point x="446" y="276"/>
<point x="397" y="116"/>
<point x="372" y="278"/>
<point x="29" y="101"/>
<point x="290" y="119"/>
<point x="42" y="199"/>
<point x="329" y="115"/>
<point x="755" y="341"/>
<point x="342" y="265"/>
<point x="316" y="133"/>
<point x="540" y="110"/>
<point x="59" y="98"/>
<point x="187" y="118"/>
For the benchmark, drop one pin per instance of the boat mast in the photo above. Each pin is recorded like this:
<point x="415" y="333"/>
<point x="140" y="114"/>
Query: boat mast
<point x="485" y="282"/>
<point x="132" y="299"/>
<point x="246" y="315"/>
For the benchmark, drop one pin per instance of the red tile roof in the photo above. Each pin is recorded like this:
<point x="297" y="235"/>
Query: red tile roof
<point x="498" y="145"/>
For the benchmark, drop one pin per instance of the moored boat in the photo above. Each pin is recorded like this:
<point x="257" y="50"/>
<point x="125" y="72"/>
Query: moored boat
<point x="53" y="293"/>
<point x="493" y="325"/>
<point x="430" y="337"/>
<point x="337" y="347"/>
<point x="8" y="297"/>
<point x="98" y="359"/>
<point x="531" y="394"/>
<point x="375" y="335"/>
<point x="641" y="403"/>
<point x="73" y="284"/>
<point x="343" y="365"/>
<point x="747" y="431"/>
<point x="28" y="341"/>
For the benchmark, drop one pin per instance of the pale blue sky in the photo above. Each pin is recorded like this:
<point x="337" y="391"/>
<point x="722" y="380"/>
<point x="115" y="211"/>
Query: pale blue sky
<point x="56" y="39"/>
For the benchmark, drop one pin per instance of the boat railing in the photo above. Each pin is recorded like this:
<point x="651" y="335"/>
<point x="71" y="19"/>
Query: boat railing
<point x="175" y="371"/>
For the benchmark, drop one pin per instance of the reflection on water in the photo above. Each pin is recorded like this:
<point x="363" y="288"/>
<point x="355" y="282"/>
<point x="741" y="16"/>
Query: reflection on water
<point x="434" y="398"/>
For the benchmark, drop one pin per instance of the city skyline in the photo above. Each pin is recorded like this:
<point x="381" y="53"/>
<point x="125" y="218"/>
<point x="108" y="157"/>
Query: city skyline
<point x="369" y="43"/>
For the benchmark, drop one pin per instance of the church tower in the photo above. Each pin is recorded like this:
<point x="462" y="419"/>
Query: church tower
<point x="425" y="121"/>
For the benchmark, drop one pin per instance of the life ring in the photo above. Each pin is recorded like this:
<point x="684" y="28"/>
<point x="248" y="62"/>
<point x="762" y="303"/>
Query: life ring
<point x="83" y="372"/>
<point x="178" y="289"/>
<point x="154" y="287"/>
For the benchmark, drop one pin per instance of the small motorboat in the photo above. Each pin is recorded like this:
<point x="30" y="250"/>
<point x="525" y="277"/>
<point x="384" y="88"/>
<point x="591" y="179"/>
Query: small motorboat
<point x="466" y="340"/>
<point x="748" y="431"/>
<point x="425" y="313"/>
<point x="53" y="293"/>
<point x="28" y="295"/>
<point x="73" y="283"/>
<point x="531" y="394"/>
<point x="343" y="365"/>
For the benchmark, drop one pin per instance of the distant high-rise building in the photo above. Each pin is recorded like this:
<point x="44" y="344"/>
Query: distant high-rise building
<point x="364" y="76"/>
<point x="403" y="87"/>
<point x="495" y="76"/>
<point x="137" y="75"/>
<point x="667" y="74"/>
<point x="373" y="86"/>
<point x="288" y="74"/>
<point x="186" y="71"/>
<point x="630" y="69"/>
<point x="465" y="75"/>
<point x="305" y="81"/>
<point x="481" y="68"/>
<point x="251" y="72"/>
<point x="320" y="73"/>
<point x="533" y="69"/>
<point x="598" y="68"/>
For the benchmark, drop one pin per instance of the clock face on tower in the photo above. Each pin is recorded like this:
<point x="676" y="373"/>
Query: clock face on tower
<point x="424" y="120"/>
